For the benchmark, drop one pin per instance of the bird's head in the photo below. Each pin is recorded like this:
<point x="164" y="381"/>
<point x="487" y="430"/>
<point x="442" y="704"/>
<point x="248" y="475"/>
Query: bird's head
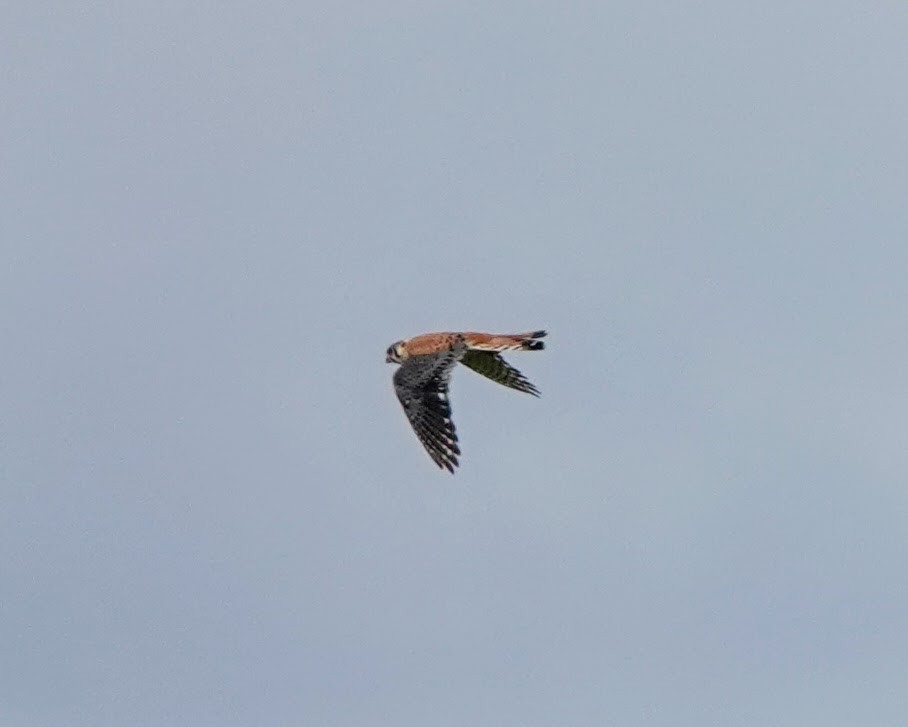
<point x="396" y="352"/>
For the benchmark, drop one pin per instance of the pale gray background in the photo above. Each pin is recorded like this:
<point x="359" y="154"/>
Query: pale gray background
<point x="215" y="219"/>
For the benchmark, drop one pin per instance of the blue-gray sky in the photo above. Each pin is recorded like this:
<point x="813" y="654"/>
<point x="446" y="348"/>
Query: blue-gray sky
<point x="218" y="216"/>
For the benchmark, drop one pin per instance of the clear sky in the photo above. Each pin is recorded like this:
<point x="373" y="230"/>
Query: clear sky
<point x="216" y="218"/>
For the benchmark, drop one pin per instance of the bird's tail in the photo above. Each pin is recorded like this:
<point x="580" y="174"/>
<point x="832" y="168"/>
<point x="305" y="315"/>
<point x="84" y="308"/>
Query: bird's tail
<point x="505" y="341"/>
<point x="531" y="342"/>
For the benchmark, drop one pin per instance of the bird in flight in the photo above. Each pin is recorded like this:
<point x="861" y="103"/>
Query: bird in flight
<point x="421" y="382"/>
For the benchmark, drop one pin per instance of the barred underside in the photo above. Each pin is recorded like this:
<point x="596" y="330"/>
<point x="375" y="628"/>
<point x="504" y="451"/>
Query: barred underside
<point x="421" y="384"/>
<point x="494" y="367"/>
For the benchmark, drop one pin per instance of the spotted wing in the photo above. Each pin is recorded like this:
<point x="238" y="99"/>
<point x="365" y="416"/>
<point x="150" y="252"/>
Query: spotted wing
<point x="421" y="384"/>
<point x="493" y="366"/>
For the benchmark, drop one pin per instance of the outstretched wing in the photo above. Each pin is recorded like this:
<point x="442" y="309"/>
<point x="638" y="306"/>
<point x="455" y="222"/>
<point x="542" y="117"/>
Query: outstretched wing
<point x="493" y="366"/>
<point x="421" y="384"/>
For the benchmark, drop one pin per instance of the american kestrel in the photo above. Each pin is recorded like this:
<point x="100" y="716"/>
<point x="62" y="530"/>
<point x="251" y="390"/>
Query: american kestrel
<point x="421" y="382"/>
